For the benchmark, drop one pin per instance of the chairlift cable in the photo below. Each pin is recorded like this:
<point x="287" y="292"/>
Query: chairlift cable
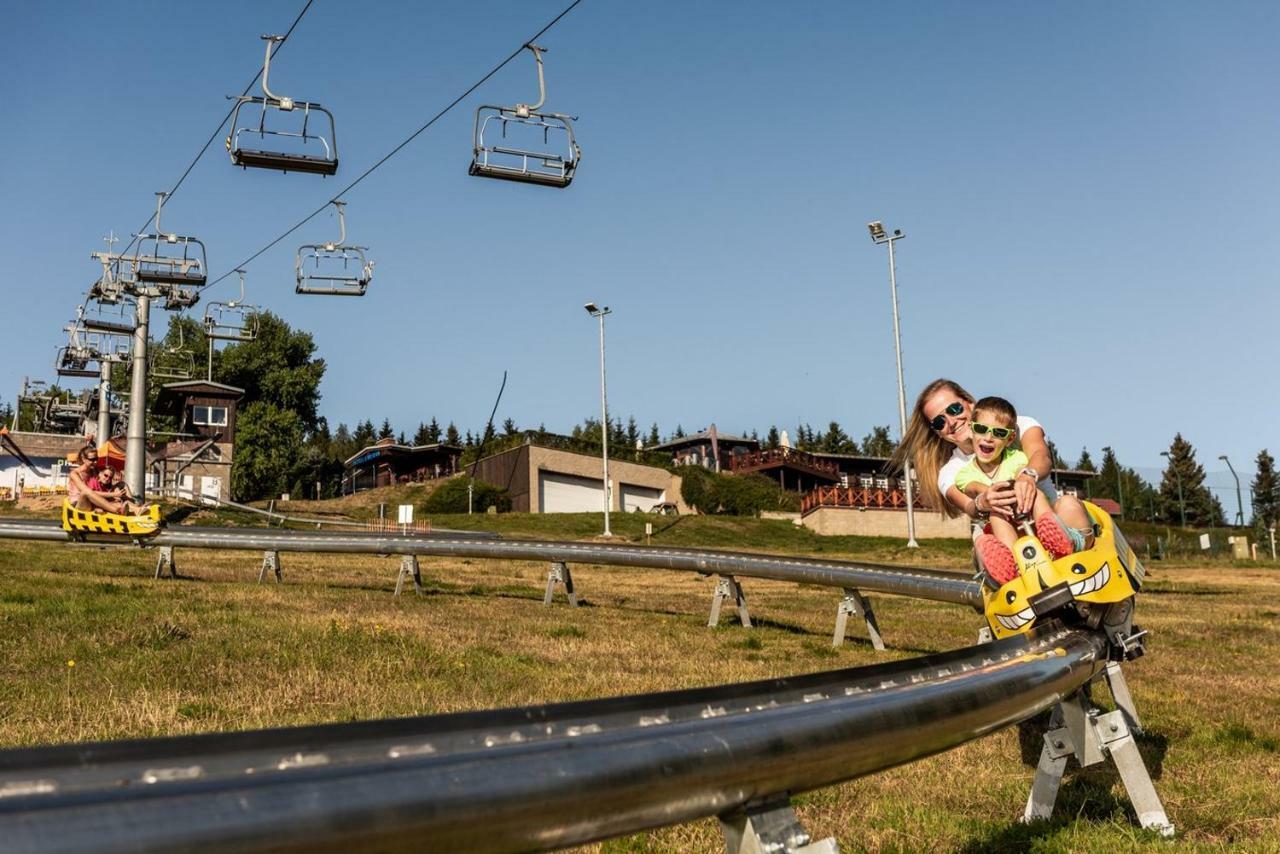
<point x="338" y="196"/>
<point x="217" y="132"/>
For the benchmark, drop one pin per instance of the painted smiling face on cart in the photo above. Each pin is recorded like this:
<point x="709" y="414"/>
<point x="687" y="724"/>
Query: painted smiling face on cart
<point x="955" y="427"/>
<point x="992" y="433"/>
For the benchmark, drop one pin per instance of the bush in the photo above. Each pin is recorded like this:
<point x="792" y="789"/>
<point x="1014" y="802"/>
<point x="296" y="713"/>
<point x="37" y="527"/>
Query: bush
<point x="732" y="494"/>
<point x="451" y="497"/>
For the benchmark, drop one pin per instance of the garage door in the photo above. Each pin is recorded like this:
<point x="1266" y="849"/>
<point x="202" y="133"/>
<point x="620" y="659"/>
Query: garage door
<point x="563" y="493"/>
<point x="640" y="498"/>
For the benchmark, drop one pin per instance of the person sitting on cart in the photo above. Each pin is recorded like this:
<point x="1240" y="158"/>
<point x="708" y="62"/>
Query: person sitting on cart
<point x="83" y="495"/>
<point x="994" y="425"/>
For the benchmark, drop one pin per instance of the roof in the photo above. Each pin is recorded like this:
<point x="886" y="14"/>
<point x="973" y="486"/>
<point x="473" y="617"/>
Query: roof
<point x="703" y="436"/>
<point x="197" y="385"/>
<point x="45" y="445"/>
<point x="384" y="447"/>
<point x="1106" y="504"/>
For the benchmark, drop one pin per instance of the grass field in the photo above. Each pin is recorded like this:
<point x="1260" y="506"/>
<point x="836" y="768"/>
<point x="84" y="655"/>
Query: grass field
<point x="92" y="648"/>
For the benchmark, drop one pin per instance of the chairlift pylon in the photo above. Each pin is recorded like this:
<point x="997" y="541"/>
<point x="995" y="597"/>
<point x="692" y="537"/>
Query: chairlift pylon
<point x="546" y="165"/>
<point x="315" y="162"/>
<point x="179" y="276"/>
<point x="333" y="269"/>
<point x="234" y="320"/>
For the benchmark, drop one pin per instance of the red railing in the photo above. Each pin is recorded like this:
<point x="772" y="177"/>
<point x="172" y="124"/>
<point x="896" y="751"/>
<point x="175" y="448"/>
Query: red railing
<point x="867" y="497"/>
<point x="757" y="460"/>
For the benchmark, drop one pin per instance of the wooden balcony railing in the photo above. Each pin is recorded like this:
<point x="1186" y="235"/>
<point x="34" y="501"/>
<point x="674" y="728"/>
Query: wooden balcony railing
<point x="866" y="497"/>
<point x="771" y="458"/>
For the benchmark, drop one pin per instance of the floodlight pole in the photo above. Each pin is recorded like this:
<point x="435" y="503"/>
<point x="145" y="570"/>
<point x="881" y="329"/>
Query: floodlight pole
<point x="135" y="455"/>
<point x="1239" y="496"/>
<point x="1182" y="504"/>
<point x="879" y="236"/>
<point x="604" y="415"/>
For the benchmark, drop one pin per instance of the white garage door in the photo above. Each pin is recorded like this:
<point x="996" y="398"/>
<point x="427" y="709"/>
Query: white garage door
<point x="563" y="493"/>
<point x="640" y="498"/>
<point x="211" y="487"/>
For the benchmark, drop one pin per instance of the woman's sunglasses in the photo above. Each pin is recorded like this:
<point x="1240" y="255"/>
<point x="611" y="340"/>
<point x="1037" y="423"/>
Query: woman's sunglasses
<point x="939" y="421"/>
<point x="984" y="429"/>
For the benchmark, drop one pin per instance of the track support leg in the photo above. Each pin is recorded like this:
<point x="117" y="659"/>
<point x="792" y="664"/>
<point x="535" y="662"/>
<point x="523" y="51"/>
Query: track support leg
<point x="560" y="574"/>
<point x="165" y="562"/>
<point x="409" y="568"/>
<point x="856" y="604"/>
<point x="727" y="587"/>
<point x="771" y="828"/>
<point x="1079" y="729"/>
<point x="270" y="561"/>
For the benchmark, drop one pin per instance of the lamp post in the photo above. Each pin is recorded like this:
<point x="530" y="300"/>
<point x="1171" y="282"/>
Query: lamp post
<point x="878" y="236"/>
<point x="1119" y="480"/>
<point x="1239" y="497"/>
<point x="595" y="311"/>
<point x="1182" y="504"/>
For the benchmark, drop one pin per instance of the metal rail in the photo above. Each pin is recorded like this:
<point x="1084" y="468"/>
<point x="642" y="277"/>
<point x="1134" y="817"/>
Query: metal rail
<point x="530" y="778"/>
<point x="936" y="585"/>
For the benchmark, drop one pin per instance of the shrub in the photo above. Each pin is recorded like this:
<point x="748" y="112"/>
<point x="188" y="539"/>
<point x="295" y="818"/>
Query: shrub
<point x="732" y="494"/>
<point x="451" y="497"/>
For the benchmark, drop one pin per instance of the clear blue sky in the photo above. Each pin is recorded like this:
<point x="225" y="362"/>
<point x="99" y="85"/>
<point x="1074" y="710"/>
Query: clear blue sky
<point x="1089" y="193"/>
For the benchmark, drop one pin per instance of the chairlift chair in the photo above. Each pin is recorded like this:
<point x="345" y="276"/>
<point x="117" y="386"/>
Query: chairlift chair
<point x="73" y="363"/>
<point x="333" y="269"/>
<point x="172" y="362"/>
<point x="234" y="320"/>
<point x="164" y="267"/>
<point x="550" y="165"/>
<point x="320" y="159"/>
<point x="112" y="318"/>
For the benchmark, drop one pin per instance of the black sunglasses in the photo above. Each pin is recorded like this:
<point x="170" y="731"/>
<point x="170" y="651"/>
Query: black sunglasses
<point x="939" y="421"/>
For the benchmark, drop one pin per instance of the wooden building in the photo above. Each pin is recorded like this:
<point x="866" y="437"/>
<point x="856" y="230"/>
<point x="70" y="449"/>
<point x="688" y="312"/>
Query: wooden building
<point x="198" y="460"/>
<point x="707" y="448"/>
<point x="386" y="463"/>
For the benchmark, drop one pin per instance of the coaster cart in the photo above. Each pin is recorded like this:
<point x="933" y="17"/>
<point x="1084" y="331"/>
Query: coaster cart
<point x="315" y="152"/>
<point x="1095" y="587"/>
<point x="80" y="522"/>
<point x="333" y="269"/>
<point x="234" y="320"/>
<point x="522" y="143"/>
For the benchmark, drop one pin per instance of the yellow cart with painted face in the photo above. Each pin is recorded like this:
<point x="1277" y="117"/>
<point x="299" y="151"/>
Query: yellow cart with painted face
<point x="96" y="522"/>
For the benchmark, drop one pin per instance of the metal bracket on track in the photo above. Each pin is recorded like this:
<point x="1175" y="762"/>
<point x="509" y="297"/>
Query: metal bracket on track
<point x="770" y="828"/>
<point x="165" y="561"/>
<point x="409" y="567"/>
<point x="560" y="574"/>
<point x="270" y="561"/>
<point x="727" y="587"/>
<point x="1080" y="729"/>
<point x="854" y="603"/>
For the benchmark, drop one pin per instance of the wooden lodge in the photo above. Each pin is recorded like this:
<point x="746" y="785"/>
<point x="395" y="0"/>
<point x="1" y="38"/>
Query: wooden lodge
<point x="386" y="463"/>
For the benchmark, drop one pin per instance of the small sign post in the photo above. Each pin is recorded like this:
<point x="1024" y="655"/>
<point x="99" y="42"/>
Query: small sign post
<point x="406" y="516"/>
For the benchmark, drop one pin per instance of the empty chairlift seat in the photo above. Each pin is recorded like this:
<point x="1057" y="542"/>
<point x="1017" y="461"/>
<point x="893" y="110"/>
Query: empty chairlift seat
<point x="288" y="136"/>
<point x="523" y="143"/>
<point x="234" y="320"/>
<point x="174" y="262"/>
<point x="333" y="269"/>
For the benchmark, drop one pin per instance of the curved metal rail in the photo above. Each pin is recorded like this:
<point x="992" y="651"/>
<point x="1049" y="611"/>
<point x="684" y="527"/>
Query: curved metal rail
<point x="936" y="585"/>
<point x="532" y="778"/>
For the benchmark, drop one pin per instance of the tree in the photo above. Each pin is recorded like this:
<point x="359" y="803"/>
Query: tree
<point x="772" y="439"/>
<point x="836" y="441"/>
<point x="655" y="438"/>
<point x="633" y="432"/>
<point x="1264" y="493"/>
<point x="1182" y="486"/>
<point x="364" y="435"/>
<point x="433" y="431"/>
<point x="268" y="438"/>
<point x="385" y="431"/>
<point x="679" y="432"/>
<point x="451" y="436"/>
<point x="400" y="440"/>
<point x="1055" y="459"/>
<point x="879" y="442"/>
<point x="278" y="366"/>
<point x="1086" y="461"/>
<point x="421" y="436"/>
<point x="509" y="427"/>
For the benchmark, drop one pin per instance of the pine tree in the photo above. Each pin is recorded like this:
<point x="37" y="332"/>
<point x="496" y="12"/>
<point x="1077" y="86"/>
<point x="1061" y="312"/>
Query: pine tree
<point x="1104" y="485"/>
<point x="679" y="434"/>
<point x="1086" y="461"/>
<point x="469" y="441"/>
<point x="879" y="442"/>
<point x="1055" y="459"/>
<point x="385" y="432"/>
<point x="364" y="435"/>
<point x="772" y="439"/>
<point x="836" y="441"/>
<point x="1182" y="488"/>
<point x="451" y="435"/>
<point x="509" y="427"/>
<point x="400" y="440"/>
<point x="1264" y="494"/>
<point x="633" y="432"/>
<point x="422" y="436"/>
<point x="433" y="431"/>
<point x="655" y="438"/>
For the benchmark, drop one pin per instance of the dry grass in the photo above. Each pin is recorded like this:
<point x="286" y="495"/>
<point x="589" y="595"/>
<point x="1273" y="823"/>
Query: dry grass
<point x="215" y="651"/>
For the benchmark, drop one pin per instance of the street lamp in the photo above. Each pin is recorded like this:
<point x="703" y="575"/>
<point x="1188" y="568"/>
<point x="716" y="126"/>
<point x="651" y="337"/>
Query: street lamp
<point x="1182" y="504"/>
<point x="1119" y="482"/>
<point x="878" y="236"/>
<point x="595" y="311"/>
<point x="1239" y="497"/>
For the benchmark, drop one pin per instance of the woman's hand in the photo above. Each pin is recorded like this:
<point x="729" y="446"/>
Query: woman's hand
<point x="1001" y="498"/>
<point x="1025" y="489"/>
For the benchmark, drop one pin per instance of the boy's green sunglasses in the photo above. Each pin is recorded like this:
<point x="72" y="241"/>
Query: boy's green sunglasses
<point x="984" y="429"/>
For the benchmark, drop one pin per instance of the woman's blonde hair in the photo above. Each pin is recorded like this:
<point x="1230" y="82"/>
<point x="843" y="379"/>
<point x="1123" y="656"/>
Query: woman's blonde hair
<point x="927" y="450"/>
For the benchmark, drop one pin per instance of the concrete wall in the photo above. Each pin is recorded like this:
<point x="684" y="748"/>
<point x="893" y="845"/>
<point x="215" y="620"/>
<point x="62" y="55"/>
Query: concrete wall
<point x="839" y="521"/>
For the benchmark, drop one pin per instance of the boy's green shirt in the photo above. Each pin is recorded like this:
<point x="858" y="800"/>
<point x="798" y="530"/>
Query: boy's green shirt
<point x="1013" y="462"/>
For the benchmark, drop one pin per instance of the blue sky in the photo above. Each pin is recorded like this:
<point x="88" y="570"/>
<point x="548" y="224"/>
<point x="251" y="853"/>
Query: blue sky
<point x="1088" y="192"/>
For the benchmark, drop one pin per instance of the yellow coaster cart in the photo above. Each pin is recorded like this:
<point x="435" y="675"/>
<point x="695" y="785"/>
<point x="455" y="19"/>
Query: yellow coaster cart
<point x="96" y="522"/>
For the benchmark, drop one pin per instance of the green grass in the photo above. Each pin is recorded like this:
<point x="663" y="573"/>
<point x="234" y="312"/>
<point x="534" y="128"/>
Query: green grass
<point x="215" y="651"/>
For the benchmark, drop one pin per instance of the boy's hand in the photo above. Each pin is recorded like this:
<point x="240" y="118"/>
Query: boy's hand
<point x="1002" y="499"/>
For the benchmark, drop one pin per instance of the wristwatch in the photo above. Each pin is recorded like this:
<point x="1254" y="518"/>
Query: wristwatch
<point x="1035" y="475"/>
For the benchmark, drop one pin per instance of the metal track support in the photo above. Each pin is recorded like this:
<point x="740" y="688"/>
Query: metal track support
<point x="1079" y="729"/>
<point x="409" y="568"/>
<point x="165" y="562"/>
<point x="728" y="587"/>
<point x="270" y="561"/>
<point x="771" y="828"/>
<point x="560" y="574"/>
<point x="856" y="604"/>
